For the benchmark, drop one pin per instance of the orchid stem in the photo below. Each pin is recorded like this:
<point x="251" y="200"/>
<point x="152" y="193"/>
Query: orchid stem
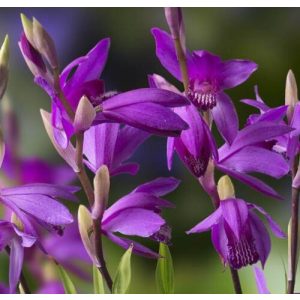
<point x="182" y="63"/>
<point x="88" y="189"/>
<point x="86" y="184"/>
<point x="22" y="280"/>
<point x="294" y="235"/>
<point x="236" y="281"/>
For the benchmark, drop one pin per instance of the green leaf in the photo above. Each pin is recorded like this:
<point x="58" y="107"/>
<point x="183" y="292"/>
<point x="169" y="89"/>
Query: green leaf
<point x="67" y="282"/>
<point x="98" y="281"/>
<point x="123" y="275"/>
<point x="165" y="271"/>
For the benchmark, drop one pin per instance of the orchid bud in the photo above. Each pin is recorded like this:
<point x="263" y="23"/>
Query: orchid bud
<point x="175" y="21"/>
<point x="101" y="190"/>
<point x="84" y="116"/>
<point x="44" y="43"/>
<point x="28" y="29"/>
<point x="17" y="222"/>
<point x="291" y="94"/>
<point x="225" y="188"/>
<point x="68" y="153"/>
<point x="85" y="224"/>
<point x="4" y="56"/>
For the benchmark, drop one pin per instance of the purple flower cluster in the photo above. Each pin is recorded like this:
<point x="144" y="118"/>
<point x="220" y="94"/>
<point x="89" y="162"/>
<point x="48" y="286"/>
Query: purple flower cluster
<point x="108" y="127"/>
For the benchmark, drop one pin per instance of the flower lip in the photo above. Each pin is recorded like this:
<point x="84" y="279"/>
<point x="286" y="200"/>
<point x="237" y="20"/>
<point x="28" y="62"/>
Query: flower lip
<point x="202" y="94"/>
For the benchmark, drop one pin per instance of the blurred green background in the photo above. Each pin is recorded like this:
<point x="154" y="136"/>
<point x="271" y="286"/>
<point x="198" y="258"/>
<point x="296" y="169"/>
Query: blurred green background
<point x="270" y="37"/>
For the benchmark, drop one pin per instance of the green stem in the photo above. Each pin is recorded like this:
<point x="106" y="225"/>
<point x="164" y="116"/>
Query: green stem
<point x="294" y="234"/>
<point x="236" y="281"/>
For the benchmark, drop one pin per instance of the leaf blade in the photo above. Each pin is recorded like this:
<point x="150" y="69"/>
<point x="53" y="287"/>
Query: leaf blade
<point x="98" y="281"/>
<point x="66" y="280"/>
<point x="165" y="271"/>
<point x="123" y="275"/>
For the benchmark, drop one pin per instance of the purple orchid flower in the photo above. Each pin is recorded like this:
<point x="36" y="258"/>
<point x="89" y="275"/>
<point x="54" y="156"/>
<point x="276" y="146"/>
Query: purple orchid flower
<point x="196" y="146"/>
<point x="138" y="214"/>
<point x="112" y="145"/>
<point x="237" y="233"/>
<point x="209" y="76"/>
<point x="16" y="240"/>
<point x="28" y="202"/>
<point x="147" y="109"/>
<point x="51" y="287"/>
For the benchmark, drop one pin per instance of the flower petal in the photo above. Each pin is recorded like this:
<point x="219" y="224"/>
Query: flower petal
<point x="207" y="223"/>
<point x="250" y="181"/>
<point x="236" y="71"/>
<point x="219" y="240"/>
<point x="261" y="237"/>
<point x="257" y="159"/>
<point x="137" y="247"/>
<point x="260" y="280"/>
<point x="15" y="263"/>
<point x="273" y="225"/>
<point x="165" y="51"/>
<point x="235" y="213"/>
<point x="159" y="186"/>
<point x="170" y="152"/>
<point x="151" y="117"/>
<point x="144" y="95"/>
<point x="226" y="118"/>
<point x="35" y="204"/>
<point x="134" y="221"/>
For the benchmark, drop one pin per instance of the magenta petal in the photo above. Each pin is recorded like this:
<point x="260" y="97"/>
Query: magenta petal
<point x="260" y="280"/>
<point x="165" y="52"/>
<point x="151" y="117"/>
<point x="256" y="104"/>
<point x="135" y="221"/>
<point x="128" y="168"/>
<point x="170" y="152"/>
<point x="157" y="81"/>
<point x="159" y="187"/>
<point x="219" y="240"/>
<point x="250" y="181"/>
<point x="261" y="237"/>
<point x="145" y="95"/>
<point x="236" y="72"/>
<point x="135" y="200"/>
<point x="226" y="118"/>
<point x="258" y="132"/>
<point x="273" y="225"/>
<point x="35" y="204"/>
<point x="99" y="144"/>
<point x="262" y="161"/>
<point x="53" y="287"/>
<point x="15" y="264"/>
<point x="65" y="192"/>
<point x="137" y="247"/>
<point x="207" y="223"/>
<point x="90" y="68"/>
<point x="235" y="213"/>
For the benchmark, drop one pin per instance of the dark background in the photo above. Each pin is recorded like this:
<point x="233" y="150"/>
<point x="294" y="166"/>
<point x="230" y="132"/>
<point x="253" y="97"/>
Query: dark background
<point x="270" y="37"/>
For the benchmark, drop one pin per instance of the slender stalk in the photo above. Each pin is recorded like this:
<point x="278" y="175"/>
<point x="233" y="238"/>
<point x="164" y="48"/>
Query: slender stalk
<point x="22" y="279"/>
<point x="86" y="184"/>
<point x="213" y="194"/>
<point x="182" y="63"/>
<point x="294" y="234"/>
<point x="236" y="281"/>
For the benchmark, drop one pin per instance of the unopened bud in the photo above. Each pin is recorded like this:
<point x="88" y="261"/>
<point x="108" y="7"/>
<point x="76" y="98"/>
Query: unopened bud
<point x="85" y="224"/>
<point x="101" y="190"/>
<point x="85" y="115"/>
<point x="225" y="188"/>
<point x="28" y="28"/>
<point x="4" y="57"/>
<point x="291" y="94"/>
<point x="174" y="19"/>
<point x="44" y="43"/>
